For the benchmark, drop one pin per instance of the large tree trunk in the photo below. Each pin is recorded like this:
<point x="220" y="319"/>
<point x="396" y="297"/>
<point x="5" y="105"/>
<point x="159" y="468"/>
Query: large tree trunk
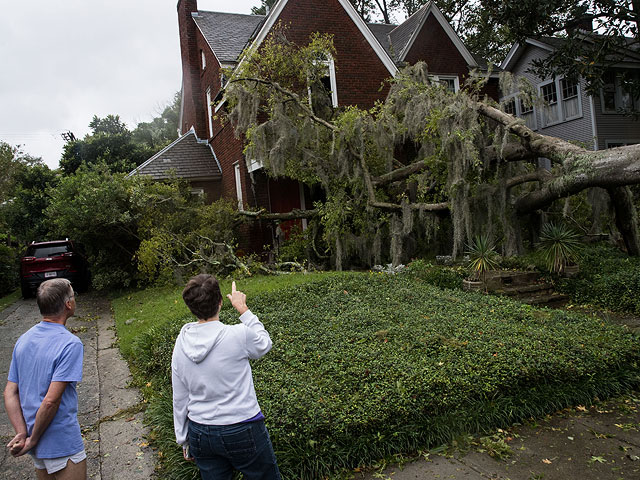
<point x="626" y="218"/>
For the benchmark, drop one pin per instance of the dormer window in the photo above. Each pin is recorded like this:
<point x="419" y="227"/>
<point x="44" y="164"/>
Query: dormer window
<point x="203" y="60"/>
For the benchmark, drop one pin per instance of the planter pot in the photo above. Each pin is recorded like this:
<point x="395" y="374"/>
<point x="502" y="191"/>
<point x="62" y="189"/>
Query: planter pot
<point x="472" y="285"/>
<point x="570" y="271"/>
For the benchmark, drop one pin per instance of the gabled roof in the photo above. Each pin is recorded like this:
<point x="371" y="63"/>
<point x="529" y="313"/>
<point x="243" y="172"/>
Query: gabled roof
<point x="277" y="9"/>
<point x="381" y="31"/>
<point x="404" y="35"/>
<point x="188" y="157"/>
<point x="551" y="43"/>
<point x="227" y="33"/>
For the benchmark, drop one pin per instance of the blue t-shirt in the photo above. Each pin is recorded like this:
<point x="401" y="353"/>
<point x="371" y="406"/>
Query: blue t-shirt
<point x="47" y="353"/>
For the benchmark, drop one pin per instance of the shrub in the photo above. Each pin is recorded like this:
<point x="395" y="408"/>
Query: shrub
<point x="443" y="277"/>
<point x="608" y="278"/>
<point x="483" y="257"/>
<point x="560" y="246"/>
<point x="9" y="269"/>
<point x="369" y="365"/>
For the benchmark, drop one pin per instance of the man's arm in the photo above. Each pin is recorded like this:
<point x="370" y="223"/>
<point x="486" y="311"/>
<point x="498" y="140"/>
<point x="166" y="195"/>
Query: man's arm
<point x="44" y="415"/>
<point x="14" y="412"/>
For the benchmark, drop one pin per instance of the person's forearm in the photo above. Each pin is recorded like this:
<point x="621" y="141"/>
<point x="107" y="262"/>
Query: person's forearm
<point x="44" y="416"/>
<point x="14" y="412"/>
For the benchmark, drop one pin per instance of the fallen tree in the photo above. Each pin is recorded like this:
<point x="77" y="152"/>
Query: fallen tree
<point x="467" y="158"/>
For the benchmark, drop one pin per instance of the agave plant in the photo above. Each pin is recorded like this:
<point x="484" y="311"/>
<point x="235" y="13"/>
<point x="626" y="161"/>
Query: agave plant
<point x="483" y="256"/>
<point x="560" y="246"/>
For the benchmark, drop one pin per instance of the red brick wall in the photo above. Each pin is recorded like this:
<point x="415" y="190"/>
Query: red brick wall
<point x="433" y="46"/>
<point x="212" y="190"/>
<point x="193" y="113"/>
<point x="359" y="70"/>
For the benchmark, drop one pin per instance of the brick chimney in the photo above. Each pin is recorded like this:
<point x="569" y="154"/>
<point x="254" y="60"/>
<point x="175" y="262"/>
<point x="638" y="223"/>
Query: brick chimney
<point x="193" y="109"/>
<point x="582" y="25"/>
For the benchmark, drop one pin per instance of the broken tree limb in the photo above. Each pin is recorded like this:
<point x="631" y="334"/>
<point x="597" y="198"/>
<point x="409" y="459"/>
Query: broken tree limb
<point x="294" y="214"/>
<point x="540" y="175"/>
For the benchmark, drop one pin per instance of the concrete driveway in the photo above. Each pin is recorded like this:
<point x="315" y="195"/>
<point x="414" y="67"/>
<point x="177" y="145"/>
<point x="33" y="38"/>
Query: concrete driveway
<point x="109" y="410"/>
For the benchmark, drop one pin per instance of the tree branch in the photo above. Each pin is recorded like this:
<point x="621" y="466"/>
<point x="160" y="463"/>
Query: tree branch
<point x="294" y="96"/>
<point x="540" y="175"/>
<point x="294" y="214"/>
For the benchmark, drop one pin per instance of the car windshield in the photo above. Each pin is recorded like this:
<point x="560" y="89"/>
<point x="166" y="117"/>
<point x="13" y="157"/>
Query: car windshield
<point x="45" y="251"/>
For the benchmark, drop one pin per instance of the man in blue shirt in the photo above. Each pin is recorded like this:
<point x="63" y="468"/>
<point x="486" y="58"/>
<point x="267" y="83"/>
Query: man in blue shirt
<point x="40" y="396"/>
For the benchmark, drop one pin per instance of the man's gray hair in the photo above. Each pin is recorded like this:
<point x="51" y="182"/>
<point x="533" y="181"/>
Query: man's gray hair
<point x="51" y="296"/>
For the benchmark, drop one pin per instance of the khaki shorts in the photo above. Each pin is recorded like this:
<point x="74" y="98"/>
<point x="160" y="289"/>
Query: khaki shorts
<point x="53" y="465"/>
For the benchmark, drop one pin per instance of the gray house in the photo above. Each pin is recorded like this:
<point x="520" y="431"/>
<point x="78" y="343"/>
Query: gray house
<point x="566" y="110"/>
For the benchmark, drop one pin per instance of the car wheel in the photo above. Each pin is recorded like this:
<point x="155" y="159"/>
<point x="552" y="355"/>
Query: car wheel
<point x="83" y="284"/>
<point x="26" y="291"/>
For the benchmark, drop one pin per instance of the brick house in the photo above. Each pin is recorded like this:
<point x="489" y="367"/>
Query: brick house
<point x="367" y="54"/>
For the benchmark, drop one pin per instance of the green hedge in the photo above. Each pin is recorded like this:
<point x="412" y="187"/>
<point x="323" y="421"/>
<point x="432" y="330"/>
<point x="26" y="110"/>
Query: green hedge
<point x="9" y="269"/>
<point x="366" y="366"/>
<point x="608" y="278"/>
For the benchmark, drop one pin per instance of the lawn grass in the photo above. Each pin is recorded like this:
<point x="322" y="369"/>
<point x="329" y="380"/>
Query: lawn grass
<point x="137" y="311"/>
<point x="368" y="365"/>
<point x="9" y="299"/>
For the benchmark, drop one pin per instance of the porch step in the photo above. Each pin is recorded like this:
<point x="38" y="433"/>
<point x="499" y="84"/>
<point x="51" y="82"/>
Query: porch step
<point x="524" y="290"/>
<point x="526" y="287"/>
<point x="552" y="300"/>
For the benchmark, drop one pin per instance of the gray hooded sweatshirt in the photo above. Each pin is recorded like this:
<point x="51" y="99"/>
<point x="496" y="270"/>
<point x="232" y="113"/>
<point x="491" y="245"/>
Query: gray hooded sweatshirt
<point x="211" y="375"/>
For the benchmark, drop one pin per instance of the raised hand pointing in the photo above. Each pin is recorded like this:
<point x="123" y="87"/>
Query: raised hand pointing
<point x="238" y="299"/>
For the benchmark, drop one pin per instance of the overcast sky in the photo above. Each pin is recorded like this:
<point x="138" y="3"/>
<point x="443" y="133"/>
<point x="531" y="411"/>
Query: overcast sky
<point x="63" y="61"/>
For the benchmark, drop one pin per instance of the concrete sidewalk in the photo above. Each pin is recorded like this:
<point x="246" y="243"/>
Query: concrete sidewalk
<point x="597" y="443"/>
<point x="109" y="409"/>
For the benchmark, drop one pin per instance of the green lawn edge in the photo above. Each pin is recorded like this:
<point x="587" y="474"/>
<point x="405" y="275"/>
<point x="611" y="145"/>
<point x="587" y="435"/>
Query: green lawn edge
<point x="496" y="412"/>
<point x="10" y="299"/>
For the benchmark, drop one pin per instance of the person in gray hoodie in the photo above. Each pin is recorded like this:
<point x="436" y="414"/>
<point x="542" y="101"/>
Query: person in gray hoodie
<point x="216" y="415"/>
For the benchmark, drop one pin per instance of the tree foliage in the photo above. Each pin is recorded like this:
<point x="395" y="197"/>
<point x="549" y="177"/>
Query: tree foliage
<point x="112" y="143"/>
<point x="24" y="185"/>
<point x="583" y="54"/>
<point x="459" y="155"/>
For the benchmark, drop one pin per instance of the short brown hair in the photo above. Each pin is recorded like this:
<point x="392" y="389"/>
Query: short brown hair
<point x="202" y="296"/>
<point x="51" y="296"/>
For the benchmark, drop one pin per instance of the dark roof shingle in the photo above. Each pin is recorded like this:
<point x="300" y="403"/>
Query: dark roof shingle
<point x="227" y="33"/>
<point x="188" y="157"/>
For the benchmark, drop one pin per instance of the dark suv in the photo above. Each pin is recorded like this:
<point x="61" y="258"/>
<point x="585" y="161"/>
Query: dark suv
<point x="57" y="259"/>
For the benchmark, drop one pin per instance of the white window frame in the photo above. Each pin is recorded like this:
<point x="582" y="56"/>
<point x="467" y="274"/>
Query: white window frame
<point x="210" y="112"/>
<point x="564" y="100"/>
<point x="620" y="143"/>
<point x="456" y="80"/>
<point x="519" y="109"/>
<point x="203" y="59"/>
<point x="236" y="169"/>
<point x="617" y="97"/>
<point x="331" y="65"/>
<point x="560" y="102"/>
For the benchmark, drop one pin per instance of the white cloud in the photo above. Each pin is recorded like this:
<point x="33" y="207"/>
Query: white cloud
<point x="64" y="61"/>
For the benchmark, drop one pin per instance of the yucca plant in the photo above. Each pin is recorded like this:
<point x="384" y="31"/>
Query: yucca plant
<point x="560" y="246"/>
<point x="483" y="257"/>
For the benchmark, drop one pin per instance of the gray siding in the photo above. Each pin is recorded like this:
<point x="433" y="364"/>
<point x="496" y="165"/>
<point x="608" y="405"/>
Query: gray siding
<point x="578" y="130"/>
<point x="615" y="127"/>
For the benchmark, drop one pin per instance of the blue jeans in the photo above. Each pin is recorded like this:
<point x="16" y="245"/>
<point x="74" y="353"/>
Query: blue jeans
<point x="246" y="447"/>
